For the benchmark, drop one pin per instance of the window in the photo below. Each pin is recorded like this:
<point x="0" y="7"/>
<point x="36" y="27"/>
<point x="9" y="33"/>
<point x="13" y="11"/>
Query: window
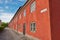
<point x="19" y="26"/>
<point x="20" y="16"/>
<point x="24" y="28"/>
<point x="33" y="6"/>
<point x="16" y="27"/>
<point x="33" y="26"/>
<point x="24" y="12"/>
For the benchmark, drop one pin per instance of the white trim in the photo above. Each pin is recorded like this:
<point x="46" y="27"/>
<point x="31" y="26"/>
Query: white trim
<point x="43" y="10"/>
<point x="35" y="27"/>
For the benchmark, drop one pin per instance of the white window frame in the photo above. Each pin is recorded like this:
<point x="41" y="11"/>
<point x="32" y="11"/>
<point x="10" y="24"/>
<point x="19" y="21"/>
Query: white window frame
<point x="24" y="12"/>
<point x="31" y="27"/>
<point x="33" y="6"/>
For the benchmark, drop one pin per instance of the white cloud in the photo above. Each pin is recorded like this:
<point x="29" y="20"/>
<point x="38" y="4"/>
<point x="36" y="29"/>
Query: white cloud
<point x="6" y="17"/>
<point x="7" y="1"/>
<point x="10" y="1"/>
<point x="1" y="10"/>
<point x="6" y="7"/>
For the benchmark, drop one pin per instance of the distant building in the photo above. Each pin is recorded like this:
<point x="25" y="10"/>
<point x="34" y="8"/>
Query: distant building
<point x="0" y="22"/>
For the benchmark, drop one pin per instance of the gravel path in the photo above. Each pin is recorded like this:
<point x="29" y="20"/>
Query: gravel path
<point x="11" y="35"/>
<point x="8" y="35"/>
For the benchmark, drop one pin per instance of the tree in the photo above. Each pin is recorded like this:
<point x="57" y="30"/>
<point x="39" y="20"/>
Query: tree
<point x="4" y="24"/>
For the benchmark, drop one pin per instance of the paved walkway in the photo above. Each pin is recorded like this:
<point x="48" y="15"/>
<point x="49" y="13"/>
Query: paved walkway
<point x="11" y="35"/>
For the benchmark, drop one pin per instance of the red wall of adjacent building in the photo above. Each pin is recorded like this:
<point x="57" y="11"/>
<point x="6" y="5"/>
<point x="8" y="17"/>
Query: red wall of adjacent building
<point x="42" y="20"/>
<point x="55" y="19"/>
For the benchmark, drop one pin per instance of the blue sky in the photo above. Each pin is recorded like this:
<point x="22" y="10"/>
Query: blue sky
<point x="8" y="8"/>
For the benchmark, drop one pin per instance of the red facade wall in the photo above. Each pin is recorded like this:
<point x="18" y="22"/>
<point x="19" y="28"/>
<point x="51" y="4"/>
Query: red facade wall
<point x="55" y="19"/>
<point x="42" y="20"/>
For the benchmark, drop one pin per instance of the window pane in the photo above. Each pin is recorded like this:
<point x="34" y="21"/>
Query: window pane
<point x="24" y="12"/>
<point x="20" y="16"/>
<point x="33" y="27"/>
<point x="33" y="6"/>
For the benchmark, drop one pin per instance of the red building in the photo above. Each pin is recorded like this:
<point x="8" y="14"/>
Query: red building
<point x="38" y="19"/>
